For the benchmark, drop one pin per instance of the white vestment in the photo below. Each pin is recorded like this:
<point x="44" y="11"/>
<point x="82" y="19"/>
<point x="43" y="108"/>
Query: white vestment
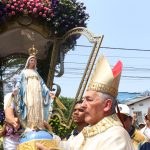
<point x="107" y="134"/>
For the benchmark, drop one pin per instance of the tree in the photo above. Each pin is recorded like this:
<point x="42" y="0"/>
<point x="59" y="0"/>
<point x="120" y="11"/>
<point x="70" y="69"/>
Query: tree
<point x="55" y="121"/>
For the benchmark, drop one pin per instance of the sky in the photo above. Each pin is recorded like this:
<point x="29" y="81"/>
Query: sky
<point x="125" y="25"/>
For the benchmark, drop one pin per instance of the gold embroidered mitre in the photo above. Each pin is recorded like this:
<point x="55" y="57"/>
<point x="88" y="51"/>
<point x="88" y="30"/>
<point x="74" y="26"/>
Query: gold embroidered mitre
<point x="33" y="51"/>
<point x="105" y="79"/>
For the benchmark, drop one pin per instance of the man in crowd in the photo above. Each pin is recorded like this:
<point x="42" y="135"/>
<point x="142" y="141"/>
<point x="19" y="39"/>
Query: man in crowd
<point x="141" y="125"/>
<point x="79" y="119"/>
<point x="126" y="118"/>
<point x="146" y="131"/>
<point x="105" y="131"/>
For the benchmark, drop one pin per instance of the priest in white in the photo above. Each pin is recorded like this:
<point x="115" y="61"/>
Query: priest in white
<point x="105" y="130"/>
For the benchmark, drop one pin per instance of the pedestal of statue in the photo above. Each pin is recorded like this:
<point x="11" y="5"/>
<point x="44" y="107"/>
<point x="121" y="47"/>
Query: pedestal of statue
<point x="29" y="139"/>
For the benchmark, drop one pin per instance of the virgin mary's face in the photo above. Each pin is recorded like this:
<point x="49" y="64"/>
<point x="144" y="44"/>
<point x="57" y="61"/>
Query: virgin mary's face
<point x="32" y="63"/>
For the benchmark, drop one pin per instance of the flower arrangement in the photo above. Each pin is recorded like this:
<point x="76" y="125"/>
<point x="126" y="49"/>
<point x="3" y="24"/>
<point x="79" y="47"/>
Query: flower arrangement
<point x="59" y="15"/>
<point x="28" y="7"/>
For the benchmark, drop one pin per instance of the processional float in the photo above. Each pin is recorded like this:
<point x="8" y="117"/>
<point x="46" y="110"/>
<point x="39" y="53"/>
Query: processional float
<point x="53" y="27"/>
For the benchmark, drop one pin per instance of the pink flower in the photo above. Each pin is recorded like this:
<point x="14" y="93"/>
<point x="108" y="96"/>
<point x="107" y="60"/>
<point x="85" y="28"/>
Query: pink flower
<point x="32" y="4"/>
<point x="31" y="8"/>
<point x="8" y="6"/>
<point x="52" y="14"/>
<point x="3" y="1"/>
<point x="44" y="15"/>
<point x="40" y="13"/>
<point x="45" y="8"/>
<point x="12" y="7"/>
<point x="50" y="11"/>
<point x="34" y="10"/>
<point x="37" y="5"/>
<point x="17" y="8"/>
<point x="28" y="3"/>
<point x="22" y="5"/>
<point x="21" y="9"/>
<point x="15" y="4"/>
<point x="28" y="7"/>
<point x="30" y="11"/>
<point x="13" y="13"/>
<point x="24" y="1"/>
<point x="42" y="7"/>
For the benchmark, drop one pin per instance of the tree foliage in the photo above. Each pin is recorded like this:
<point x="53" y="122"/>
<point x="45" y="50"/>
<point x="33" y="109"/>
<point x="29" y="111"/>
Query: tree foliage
<point x="55" y="122"/>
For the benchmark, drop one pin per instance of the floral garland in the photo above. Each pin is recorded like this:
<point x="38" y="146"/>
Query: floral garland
<point x="13" y="7"/>
<point x="59" y="15"/>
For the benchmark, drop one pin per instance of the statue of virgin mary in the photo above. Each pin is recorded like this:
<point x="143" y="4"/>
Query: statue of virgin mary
<point x="34" y="98"/>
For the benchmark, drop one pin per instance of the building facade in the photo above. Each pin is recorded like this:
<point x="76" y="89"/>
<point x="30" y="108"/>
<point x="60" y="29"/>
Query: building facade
<point x="139" y="106"/>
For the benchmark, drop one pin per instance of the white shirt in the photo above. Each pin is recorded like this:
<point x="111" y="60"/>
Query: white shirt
<point x="7" y="100"/>
<point x="146" y="131"/>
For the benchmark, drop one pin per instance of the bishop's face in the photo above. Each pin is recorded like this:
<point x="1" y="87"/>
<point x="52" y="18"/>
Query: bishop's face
<point x="93" y="106"/>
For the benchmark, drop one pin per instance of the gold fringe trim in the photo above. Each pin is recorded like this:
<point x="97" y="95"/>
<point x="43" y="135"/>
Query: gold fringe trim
<point x="99" y="87"/>
<point x="31" y="145"/>
<point x="100" y="127"/>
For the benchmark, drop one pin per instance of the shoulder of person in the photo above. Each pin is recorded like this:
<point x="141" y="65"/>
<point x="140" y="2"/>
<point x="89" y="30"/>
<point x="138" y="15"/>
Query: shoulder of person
<point x="7" y="99"/>
<point x="117" y="137"/>
<point x="144" y="146"/>
<point x="117" y="131"/>
<point x="138" y="136"/>
<point x="143" y="129"/>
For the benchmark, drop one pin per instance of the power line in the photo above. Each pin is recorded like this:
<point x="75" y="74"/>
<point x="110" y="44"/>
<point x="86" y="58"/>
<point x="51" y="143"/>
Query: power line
<point x="79" y="63"/>
<point x="112" y="56"/>
<point x="124" y="69"/>
<point x="74" y="63"/>
<point x="122" y="77"/>
<point x="142" y="77"/>
<point x="125" y="76"/>
<point x="119" y="48"/>
<point x="128" y="49"/>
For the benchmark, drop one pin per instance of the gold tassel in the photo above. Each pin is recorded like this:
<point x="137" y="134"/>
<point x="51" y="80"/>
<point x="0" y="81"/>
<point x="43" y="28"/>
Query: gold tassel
<point x="60" y="104"/>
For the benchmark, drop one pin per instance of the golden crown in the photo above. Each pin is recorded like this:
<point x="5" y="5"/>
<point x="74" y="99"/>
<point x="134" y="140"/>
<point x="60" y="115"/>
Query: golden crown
<point x="33" y="51"/>
<point x="105" y="79"/>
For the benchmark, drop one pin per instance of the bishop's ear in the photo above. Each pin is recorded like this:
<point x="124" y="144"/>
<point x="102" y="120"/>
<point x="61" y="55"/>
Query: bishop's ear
<point x="108" y="105"/>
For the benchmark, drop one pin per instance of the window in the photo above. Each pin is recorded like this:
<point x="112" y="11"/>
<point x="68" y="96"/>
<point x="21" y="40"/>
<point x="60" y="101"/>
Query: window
<point x="139" y="116"/>
<point x="141" y="104"/>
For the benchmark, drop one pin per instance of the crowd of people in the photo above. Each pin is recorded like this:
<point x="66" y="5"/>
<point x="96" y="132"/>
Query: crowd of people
<point x="102" y="123"/>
